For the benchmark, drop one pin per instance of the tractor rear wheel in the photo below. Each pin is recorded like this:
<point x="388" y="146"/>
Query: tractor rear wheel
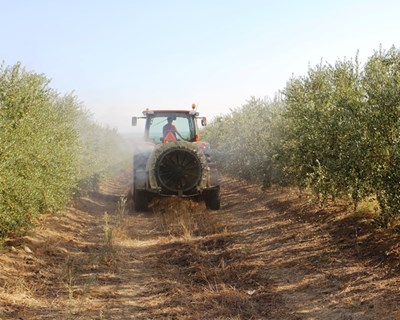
<point x="140" y="200"/>
<point x="212" y="198"/>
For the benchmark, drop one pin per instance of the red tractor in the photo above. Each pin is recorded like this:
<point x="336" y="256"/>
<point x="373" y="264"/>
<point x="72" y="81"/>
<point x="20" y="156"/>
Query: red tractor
<point x="172" y="161"/>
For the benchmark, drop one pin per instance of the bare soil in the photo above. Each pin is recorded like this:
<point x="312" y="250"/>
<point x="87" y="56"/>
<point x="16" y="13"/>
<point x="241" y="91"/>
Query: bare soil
<point x="264" y="255"/>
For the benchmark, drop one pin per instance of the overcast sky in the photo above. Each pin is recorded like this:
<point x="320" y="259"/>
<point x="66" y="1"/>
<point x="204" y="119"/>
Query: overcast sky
<point x="122" y="56"/>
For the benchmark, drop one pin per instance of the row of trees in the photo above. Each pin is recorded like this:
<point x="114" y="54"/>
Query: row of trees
<point x="49" y="148"/>
<point x="335" y="131"/>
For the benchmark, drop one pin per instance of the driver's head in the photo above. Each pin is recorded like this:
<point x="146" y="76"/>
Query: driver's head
<point x="170" y="119"/>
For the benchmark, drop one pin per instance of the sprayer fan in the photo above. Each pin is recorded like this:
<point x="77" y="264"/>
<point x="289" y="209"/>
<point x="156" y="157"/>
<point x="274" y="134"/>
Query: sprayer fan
<point x="178" y="170"/>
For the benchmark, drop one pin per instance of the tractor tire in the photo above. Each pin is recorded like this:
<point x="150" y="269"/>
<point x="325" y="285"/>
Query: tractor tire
<point x="140" y="200"/>
<point x="212" y="199"/>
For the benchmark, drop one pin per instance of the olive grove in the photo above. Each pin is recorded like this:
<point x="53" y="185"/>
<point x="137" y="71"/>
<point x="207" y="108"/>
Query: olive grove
<point x="50" y="147"/>
<point x="334" y="131"/>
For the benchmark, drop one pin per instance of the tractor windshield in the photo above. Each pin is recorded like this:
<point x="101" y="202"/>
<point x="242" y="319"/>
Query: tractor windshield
<point x="181" y="126"/>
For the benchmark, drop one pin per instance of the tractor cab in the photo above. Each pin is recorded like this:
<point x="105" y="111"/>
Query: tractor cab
<point x="163" y="126"/>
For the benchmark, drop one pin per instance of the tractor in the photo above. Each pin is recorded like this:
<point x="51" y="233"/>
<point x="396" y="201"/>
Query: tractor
<point x="172" y="160"/>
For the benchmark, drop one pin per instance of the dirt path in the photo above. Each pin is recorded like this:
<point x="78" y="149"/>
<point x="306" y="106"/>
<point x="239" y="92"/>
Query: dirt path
<point x="265" y="255"/>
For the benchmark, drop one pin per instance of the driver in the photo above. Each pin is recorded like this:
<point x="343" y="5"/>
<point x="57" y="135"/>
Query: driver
<point x="169" y="127"/>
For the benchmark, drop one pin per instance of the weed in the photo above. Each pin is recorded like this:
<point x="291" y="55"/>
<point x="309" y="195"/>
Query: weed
<point x="69" y="270"/>
<point x="120" y="229"/>
<point x="102" y="315"/>
<point x="121" y="210"/>
<point x="107" y="230"/>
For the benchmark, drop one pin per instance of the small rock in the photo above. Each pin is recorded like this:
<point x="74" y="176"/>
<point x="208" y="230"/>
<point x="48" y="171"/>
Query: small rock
<point x="251" y="292"/>
<point x="27" y="249"/>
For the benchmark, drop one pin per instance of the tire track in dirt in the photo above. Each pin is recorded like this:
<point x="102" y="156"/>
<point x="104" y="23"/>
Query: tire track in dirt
<point x="278" y="258"/>
<point x="264" y="255"/>
<point x="318" y="265"/>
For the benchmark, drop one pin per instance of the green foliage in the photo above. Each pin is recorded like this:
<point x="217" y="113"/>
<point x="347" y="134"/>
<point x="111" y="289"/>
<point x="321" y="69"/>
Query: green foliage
<point x="36" y="148"/>
<point x="44" y="148"/>
<point x="244" y="141"/>
<point x="336" y="132"/>
<point x="381" y="81"/>
<point x="325" y="144"/>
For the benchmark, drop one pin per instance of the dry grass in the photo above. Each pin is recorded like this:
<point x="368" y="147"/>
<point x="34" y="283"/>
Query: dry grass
<point x="186" y="218"/>
<point x="216" y="280"/>
<point x="265" y="255"/>
<point x="368" y="208"/>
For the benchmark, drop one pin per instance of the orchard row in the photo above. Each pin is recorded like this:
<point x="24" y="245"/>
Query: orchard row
<point x="335" y="131"/>
<point x="50" y="148"/>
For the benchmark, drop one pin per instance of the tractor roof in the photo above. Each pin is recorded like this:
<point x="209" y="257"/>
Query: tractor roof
<point x="191" y="112"/>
